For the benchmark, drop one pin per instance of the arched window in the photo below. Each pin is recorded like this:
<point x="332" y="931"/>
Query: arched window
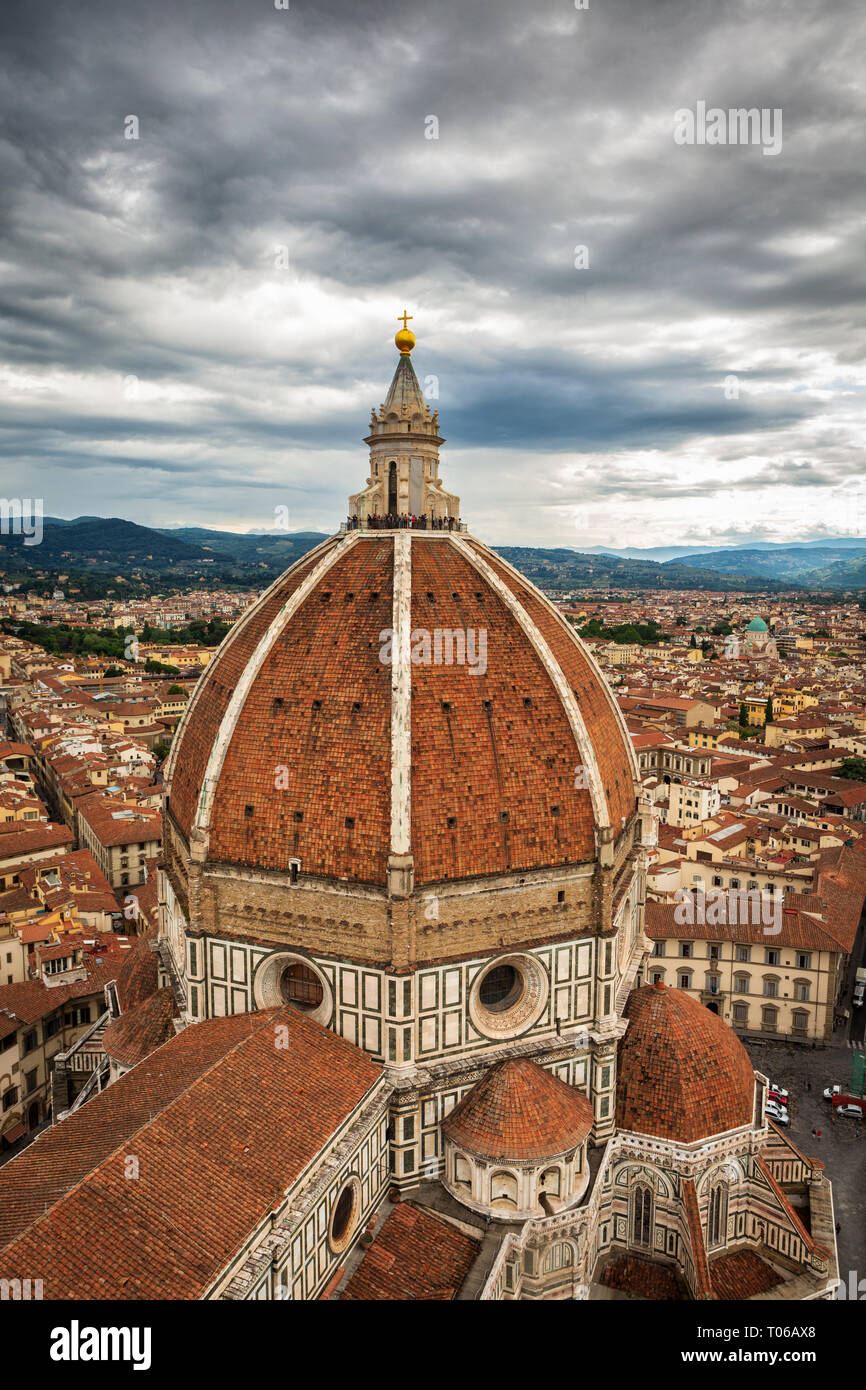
<point x="556" y="1257"/>
<point x="462" y="1172"/>
<point x="549" y="1182"/>
<point x="717" y="1217"/>
<point x="641" y="1215"/>
<point x="503" y="1190"/>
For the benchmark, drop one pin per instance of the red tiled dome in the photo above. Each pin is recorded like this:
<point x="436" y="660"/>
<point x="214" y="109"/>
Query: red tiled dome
<point x="683" y="1074"/>
<point x="519" y="1111"/>
<point x="492" y="754"/>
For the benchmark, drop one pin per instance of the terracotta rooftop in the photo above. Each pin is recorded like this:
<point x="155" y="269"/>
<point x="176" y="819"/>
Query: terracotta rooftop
<point x="642" y="1278"/>
<point x="416" y="1256"/>
<point x="519" y="1111"/>
<point x="139" y="975"/>
<point x="218" y="1108"/>
<point x="796" y="929"/>
<point x="683" y="1074"/>
<point x="30" y="1000"/>
<point x="700" y="1264"/>
<point x="741" y="1274"/>
<point x="135" y="1034"/>
<point x="18" y="840"/>
<point x="115" y="821"/>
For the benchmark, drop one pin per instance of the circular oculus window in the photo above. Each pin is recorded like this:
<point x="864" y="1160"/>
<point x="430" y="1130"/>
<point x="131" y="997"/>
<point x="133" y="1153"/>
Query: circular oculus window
<point x="344" y="1216"/>
<point x="286" y="978"/>
<point x="508" y="996"/>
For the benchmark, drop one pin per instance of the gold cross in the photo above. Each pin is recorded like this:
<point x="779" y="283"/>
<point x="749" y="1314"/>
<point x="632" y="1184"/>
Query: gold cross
<point x="405" y="318"/>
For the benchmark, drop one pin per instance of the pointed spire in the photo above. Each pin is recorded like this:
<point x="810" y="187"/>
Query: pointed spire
<point x="404" y="394"/>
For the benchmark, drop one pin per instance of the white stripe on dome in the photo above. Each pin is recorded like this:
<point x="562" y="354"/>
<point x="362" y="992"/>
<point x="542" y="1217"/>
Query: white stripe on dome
<point x="401" y="697"/>
<point x="229" y="641"/>
<point x="251" y="671"/>
<point x="555" y="673"/>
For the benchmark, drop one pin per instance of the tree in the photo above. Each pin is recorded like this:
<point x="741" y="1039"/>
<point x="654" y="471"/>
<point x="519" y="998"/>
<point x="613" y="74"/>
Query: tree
<point x="854" y="768"/>
<point x="176" y="690"/>
<point x="744" y="715"/>
<point x="114" y="671"/>
<point x="693" y="643"/>
<point x="768" y="712"/>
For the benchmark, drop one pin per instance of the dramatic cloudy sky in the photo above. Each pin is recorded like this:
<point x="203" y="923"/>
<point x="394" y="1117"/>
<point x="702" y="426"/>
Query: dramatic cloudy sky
<point x="160" y="361"/>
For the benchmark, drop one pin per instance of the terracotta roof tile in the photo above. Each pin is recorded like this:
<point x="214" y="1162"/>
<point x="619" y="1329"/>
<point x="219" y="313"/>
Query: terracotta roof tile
<point x="219" y="1108"/>
<point x="741" y="1274"/>
<point x="643" y="1278"/>
<point x="135" y="1034"/>
<point x="195" y="737"/>
<point x="703" y="1287"/>
<point x="416" y="1256"/>
<point x="493" y="755"/>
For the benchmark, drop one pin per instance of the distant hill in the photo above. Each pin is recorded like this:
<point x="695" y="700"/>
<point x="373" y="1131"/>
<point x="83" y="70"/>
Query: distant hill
<point x="100" y="541"/>
<point x="693" y="554"/>
<point x="797" y="564"/>
<point x="110" y="546"/>
<point x="569" y="569"/>
<point x="280" y="548"/>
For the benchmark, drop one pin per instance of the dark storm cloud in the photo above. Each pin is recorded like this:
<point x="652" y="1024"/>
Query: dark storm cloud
<point x="153" y="259"/>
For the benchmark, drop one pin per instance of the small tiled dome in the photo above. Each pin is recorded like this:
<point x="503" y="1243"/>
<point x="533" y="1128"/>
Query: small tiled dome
<point x="683" y="1073"/>
<point x="519" y="1111"/>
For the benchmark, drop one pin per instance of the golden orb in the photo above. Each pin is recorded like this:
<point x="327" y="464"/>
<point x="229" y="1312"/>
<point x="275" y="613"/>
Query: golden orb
<point x="405" y="341"/>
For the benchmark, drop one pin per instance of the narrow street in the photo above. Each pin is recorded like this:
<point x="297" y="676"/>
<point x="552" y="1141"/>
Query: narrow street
<point x="805" y="1072"/>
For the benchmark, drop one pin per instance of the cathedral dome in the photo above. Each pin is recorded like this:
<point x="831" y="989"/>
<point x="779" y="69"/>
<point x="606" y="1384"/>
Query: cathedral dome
<point x="683" y="1074"/>
<point x="519" y="1111"/>
<point x="405" y="693"/>
<point x="757" y="625"/>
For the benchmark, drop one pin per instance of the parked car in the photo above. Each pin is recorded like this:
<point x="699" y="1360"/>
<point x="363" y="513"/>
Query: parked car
<point x="831" y="1091"/>
<point x="777" y="1114"/>
<point x="778" y="1097"/>
<point x="849" y="1109"/>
